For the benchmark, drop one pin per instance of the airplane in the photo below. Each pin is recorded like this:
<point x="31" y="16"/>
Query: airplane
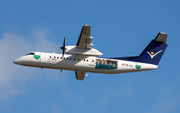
<point x="82" y="58"/>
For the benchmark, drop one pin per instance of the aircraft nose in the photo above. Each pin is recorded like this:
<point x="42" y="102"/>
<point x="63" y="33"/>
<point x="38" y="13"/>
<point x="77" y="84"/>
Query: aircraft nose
<point x="17" y="61"/>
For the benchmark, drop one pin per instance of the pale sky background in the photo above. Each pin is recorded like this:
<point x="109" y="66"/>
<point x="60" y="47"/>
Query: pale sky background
<point x="119" y="28"/>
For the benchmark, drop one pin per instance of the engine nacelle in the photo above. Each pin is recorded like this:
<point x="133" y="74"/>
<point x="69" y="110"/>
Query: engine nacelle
<point x="77" y="51"/>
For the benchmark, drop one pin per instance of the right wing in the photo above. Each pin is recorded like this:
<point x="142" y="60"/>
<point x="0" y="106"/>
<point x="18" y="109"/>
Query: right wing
<point x="80" y="75"/>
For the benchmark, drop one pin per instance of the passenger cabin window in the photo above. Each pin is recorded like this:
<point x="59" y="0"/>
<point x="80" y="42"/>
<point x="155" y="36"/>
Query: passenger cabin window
<point x="30" y="54"/>
<point x="57" y="57"/>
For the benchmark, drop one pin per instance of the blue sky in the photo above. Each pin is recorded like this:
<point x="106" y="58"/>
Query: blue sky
<point x="119" y="28"/>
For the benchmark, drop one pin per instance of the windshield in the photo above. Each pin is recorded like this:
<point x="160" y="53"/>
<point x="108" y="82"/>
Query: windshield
<point x="30" y="54"/>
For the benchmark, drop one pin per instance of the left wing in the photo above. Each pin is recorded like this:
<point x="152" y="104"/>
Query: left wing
<point x="80" y="75"/>
<point x="84" y="41"/>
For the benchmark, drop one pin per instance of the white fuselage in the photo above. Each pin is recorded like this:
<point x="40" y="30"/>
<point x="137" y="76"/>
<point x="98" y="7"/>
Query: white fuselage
<point x="83" y="63"/>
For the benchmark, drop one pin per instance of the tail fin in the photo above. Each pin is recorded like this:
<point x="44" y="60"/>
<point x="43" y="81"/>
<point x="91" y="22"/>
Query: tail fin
<point x="154" y="51"/>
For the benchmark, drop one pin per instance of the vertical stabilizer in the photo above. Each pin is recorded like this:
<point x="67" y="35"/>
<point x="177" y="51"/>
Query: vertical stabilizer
<point x="154" y="51"/>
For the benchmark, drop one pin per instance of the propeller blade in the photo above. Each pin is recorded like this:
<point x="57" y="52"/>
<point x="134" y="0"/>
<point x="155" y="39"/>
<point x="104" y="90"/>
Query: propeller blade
<point x="63" y="48"/>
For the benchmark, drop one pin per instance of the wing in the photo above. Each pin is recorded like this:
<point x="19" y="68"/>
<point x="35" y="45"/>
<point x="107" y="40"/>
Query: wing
<point x="80" y="75"/>
<point x="84" y="41"/>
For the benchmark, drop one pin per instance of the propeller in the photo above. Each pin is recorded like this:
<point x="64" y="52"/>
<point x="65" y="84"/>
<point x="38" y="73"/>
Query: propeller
<point x="63" y="48"/>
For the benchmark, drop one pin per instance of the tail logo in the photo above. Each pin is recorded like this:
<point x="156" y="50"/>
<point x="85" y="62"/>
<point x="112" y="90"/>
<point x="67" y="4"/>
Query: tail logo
<point x="152" y="55"/>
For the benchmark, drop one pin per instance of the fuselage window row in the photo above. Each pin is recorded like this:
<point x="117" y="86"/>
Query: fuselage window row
<point x="64" y="58"/>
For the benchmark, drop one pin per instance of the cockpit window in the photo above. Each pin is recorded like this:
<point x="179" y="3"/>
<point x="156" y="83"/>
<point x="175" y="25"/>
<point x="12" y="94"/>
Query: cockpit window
<point x="30" y="54"/>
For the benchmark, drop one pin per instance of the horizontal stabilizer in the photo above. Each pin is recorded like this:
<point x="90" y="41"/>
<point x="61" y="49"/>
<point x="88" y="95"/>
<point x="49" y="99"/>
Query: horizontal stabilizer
<point x="161" y="37"/>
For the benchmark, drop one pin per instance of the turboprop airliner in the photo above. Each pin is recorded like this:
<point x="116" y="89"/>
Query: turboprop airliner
<point x="82" y="58"/>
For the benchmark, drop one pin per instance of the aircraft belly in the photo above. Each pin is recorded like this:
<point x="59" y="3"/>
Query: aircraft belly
<point x="76" y="67"/>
